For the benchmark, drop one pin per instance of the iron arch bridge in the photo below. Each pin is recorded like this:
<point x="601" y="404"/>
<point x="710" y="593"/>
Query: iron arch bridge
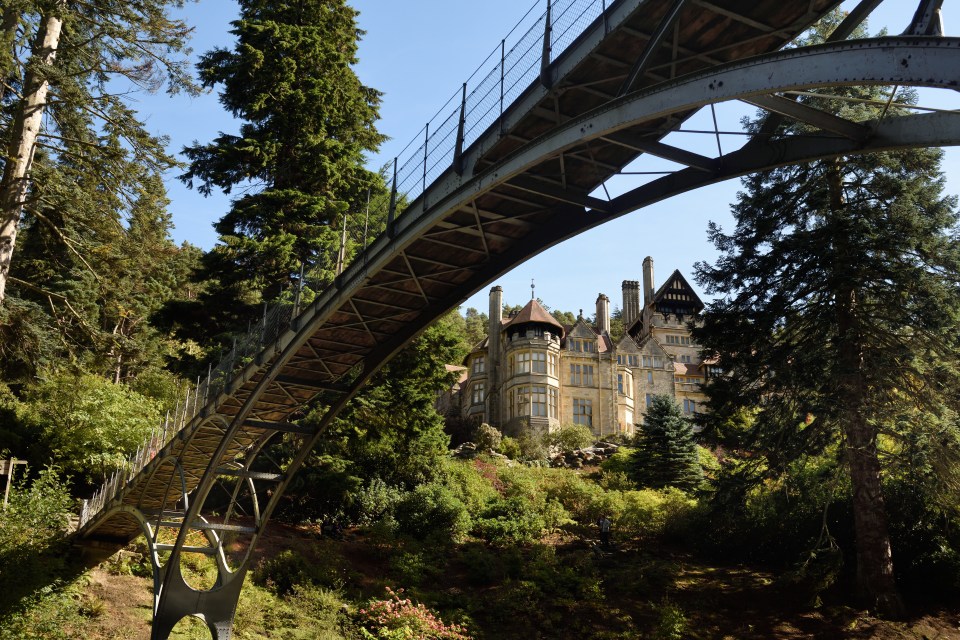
<point x="510" y="169"/>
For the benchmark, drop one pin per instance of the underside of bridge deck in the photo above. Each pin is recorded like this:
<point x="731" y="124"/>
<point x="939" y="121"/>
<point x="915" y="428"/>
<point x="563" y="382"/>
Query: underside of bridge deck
<point x="531" y="178"/>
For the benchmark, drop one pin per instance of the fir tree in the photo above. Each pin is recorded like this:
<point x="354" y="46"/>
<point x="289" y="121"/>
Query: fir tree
<point x="666" y="454"/>
<point x="838" y="308"/>
<point x="61" y="75"/>
<point x="299" y="154"/>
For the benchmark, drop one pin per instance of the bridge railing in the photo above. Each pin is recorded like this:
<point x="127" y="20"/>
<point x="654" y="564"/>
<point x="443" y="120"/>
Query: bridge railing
<point x="499" y="80"/>
<point x="193" y="398"/>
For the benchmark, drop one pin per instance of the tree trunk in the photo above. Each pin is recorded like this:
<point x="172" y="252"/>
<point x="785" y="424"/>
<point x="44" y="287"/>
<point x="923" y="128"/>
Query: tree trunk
<point x="875" y="579"/>
<point x="22" y="144"/>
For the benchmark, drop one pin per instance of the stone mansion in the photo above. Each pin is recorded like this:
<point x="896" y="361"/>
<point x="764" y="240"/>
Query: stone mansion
<point x="533" y="372"/>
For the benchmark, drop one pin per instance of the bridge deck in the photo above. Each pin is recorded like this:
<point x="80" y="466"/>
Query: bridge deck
<point x="444" y="247"/>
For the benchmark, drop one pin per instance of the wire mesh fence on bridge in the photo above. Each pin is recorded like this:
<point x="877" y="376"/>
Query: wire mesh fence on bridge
<point x="513" y="66"/>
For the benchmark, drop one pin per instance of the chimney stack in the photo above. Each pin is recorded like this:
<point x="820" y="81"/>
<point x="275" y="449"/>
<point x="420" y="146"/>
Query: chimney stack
<point x="631" y="302"/>
<point x="603" y="314"/>
<point x="648" y="289"/>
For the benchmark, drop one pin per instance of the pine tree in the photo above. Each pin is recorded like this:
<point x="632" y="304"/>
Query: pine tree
<point x="666" y="454"/>
<point x="299" y="154"/>
<point x="838" y="308"/>
<point x="61" y="75"/>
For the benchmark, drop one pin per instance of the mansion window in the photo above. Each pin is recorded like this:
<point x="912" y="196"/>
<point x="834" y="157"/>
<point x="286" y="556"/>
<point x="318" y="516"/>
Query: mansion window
<point x="671" y="339"/>
<point x="476" y="397"/>
<point x="689" y="406"/>
<point x="685" y="359"/>
<point x="581" y="375"/>
<point x="533" y="400"/>
<point x="627" y="418"/>
<point x="650" y="377"/>
<point x="582" y="346"/>
<point x="629" y="360"/>
<point x="620" y="383"/>
<point x="649" y="400"/>
<point x="655" y="362"/>
<point x="479" y="364"/>
<point x="533" y="362"/>
<point x="522" y="362"/>
<point x="552" y="364"/>
<point x="539" y="362"/>
<point x="583" y="411"/>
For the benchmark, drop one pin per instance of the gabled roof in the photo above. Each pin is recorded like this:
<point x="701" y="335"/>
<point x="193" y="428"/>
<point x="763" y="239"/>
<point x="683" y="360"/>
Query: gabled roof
<point x="652" y="342"/>
<point x="534" y="312"/>
<point x="583" y="329"/>
<point x="676" y="296"/>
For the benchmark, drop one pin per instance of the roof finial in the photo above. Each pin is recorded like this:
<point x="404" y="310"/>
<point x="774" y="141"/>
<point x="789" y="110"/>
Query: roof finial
<point x="533" y="287"/>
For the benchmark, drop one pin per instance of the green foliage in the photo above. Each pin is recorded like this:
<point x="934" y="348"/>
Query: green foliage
<point x="780" y="517"/>
<point x="475" y="483"/>
<point x="510" y="520"/>
<point x="88" y="425"/>
<point x="510" y="447"/>
<point x="432" y="510"/>
<point x="570" y="437"/>
<point x="37" y="513"/>
<point x="837" y="307"/>
<point x="533" y="445"/>
<point x="391" y="433"/>
<point x="487" y="438"/>
<point x="476" y="325"/>
<point x="307" y="123"/>
<point x="666" y="455"/>
<point x="33" y="558"/>
<point x="289" y="571"/>
<point x="652" y="514"/>
<point x="671" y="622"/>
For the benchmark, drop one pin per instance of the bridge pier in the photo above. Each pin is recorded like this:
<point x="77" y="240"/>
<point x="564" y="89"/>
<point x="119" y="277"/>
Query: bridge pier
<point x="175" y="600"/>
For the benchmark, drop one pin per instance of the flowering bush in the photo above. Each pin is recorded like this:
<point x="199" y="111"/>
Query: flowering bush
<point x="398" y="618"/>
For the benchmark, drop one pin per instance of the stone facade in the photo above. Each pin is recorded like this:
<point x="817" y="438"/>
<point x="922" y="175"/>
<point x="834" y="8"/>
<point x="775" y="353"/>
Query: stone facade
<point x="531" y="372"/>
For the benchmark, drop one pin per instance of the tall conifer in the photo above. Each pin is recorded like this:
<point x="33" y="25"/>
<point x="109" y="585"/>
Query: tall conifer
<point x="307" y="122"/>
<point x="838" y="306"/>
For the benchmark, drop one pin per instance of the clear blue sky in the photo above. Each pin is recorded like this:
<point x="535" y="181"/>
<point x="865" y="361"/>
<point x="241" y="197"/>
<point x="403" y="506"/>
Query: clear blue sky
<point x="418" y="53"/>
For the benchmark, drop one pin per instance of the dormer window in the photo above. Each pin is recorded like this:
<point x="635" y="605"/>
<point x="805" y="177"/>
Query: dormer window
<point x="479" y="364"/>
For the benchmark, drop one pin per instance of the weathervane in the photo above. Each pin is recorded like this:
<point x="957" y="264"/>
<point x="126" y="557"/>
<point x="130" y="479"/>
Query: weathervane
<point x="533" y="288"/>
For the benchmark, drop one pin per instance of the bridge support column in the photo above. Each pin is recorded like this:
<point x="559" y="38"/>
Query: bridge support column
<point x="175" y="600"/>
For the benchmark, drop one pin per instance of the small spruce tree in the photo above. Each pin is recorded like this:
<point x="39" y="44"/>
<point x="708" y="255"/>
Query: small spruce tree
<point x="666" y="454"/>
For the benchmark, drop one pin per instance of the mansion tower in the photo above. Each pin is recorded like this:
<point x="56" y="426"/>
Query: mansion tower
<point x="533" y="372"/>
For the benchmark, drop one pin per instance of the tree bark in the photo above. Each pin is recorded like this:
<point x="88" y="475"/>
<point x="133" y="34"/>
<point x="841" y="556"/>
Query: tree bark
<point x="23" y="142"/>
<point x="875" y="579"/>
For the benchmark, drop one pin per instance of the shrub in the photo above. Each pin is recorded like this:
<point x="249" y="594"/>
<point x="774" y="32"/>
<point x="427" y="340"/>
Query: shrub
<point x="288" y="571"/>
<point x="510" y="520"/>
<point x="90" y="425"/>
<point x="487" y="438"/>
<point x="571" y="437"/>
<point x="533" y="446"/>
<point x="432" y="510"/>
<point x="473" y="482"/>
<point x="510" y="447"/>
<point x="654" y="513"/>
<point x="397" y="618"/>
<point x="375" y="501"/>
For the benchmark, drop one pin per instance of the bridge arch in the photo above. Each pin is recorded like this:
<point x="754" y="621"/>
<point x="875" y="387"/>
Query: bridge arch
<point x="511" y="194"/>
